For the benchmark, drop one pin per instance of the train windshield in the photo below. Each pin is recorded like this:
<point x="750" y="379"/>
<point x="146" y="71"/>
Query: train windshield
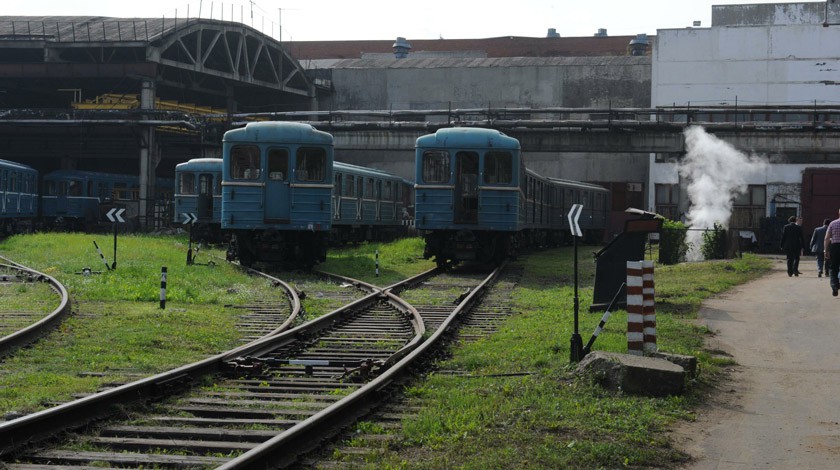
<point x="245" y="162"/>
<point x="436" y="166"/>
<point x="187" y="183"/>
<point x="311" y="164"/>
<point x="498" y="168"/>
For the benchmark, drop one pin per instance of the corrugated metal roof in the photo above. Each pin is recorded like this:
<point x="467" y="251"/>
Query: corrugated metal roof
<point x="88" y="28"/>
<point x="447" y="62"/>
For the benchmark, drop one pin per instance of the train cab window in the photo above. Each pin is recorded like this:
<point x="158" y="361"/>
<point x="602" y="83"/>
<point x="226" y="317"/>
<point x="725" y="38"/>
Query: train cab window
<point x="436" y="166"/>
<point x="205" y="184"/>
<point x="245" y="162"/>
<point x="187" y="185"/>
<point x="498" y="168"/>
<point x="75" y="188"/>
<point x="311" y="164"/>
<point x="278" y="164"/>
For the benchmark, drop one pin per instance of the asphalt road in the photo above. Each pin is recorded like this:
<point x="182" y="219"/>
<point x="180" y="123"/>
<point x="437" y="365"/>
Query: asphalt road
<point x="781" y="409"/>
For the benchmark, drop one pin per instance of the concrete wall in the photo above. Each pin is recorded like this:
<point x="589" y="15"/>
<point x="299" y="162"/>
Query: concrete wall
<point x="464" y="83"/>
<point x="444" y="83"/>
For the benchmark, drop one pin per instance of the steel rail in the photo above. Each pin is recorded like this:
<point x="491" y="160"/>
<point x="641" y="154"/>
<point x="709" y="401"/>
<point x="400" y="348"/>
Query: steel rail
<point x="31" y="333"/>
<point x="283" y="449"/>
<point x="37" y="426"/>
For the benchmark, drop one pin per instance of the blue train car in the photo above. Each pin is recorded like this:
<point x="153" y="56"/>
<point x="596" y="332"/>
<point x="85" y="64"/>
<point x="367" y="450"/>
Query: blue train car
<point x="476" y="200"/>
<point x="276" y="192"/>
<point x="368" y="204"/>
<point x="198" y="191"/>
<point x="18" y="197"/>
<point x="77" y="199"/>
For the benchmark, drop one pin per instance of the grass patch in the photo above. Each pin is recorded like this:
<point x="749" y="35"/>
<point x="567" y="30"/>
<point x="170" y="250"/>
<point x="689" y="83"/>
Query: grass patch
<point x="548" y="417"/>
<point x="397" y="260"/>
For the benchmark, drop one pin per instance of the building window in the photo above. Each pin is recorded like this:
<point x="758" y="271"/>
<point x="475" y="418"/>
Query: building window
<point x="668" y="200"/>
<point x="748" y="208"/>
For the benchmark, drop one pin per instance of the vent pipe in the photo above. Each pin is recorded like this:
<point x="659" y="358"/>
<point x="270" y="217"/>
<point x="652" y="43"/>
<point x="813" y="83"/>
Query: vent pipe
<point x="401" y="48"/>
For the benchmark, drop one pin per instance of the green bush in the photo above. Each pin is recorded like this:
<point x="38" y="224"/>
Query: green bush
<point x="714" y="243"/>
<point x="672" y="245"/>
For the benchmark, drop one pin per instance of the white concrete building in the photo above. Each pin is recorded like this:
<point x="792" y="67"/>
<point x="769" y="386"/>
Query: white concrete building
<point x="763" y="54"/>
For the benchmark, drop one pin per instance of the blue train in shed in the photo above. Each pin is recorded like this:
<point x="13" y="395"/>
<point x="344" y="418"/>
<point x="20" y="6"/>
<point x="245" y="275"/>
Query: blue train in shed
<point x="77" y="199"/>
<point x="18" y="197"/>
<point x="198" y="192"/>
<point x="476" y="200"/>
<point x="368" y="204"/>
<point x="284" y="197"/>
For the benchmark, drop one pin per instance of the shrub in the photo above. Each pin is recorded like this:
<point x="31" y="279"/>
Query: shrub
<point x="714" y="243"/>
<point x="672" y="245"/>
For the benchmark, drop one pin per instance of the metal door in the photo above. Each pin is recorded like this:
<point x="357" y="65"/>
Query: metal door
<point x="205" y="196"/>
<point x="466" y="188"/>
<point x="277" y="201"/>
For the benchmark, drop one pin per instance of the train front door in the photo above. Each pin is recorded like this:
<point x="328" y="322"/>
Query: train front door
<point x="466" y="188"/>
<point x="205" y="197"/>
<point x="277" y="186"/>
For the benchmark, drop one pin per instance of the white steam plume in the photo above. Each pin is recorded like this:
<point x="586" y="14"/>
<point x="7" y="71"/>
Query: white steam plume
<point x="715" y="173"/>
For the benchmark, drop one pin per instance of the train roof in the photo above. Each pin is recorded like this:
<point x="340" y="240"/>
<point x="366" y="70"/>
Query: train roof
<point x="578" y="184"/>
<point x="19" y="166"/>
<point x="200" y="164"/>
<point x="275" y="131"/>
<point x="64" y="173"/>
<point x="341" y="166"/>
<point x="468" y="137"/>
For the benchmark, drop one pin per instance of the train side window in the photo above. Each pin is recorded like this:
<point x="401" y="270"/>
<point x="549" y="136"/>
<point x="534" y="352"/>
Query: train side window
<point x="498" y="168"/>
<point x="436" y="166"/>
<point x="187" y="183"/>
<point x="369" y="188"/>
<point x="388" y="195"/>
<point x="3" y="180"/>
<point x="245" y="162"/>
<point x="350" y="189"/>
<point x="360" y="186"/>
<point x="311" y="164"/>
<point x="278" y="164"/>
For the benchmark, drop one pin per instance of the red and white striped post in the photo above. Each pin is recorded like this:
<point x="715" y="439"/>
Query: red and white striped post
<point x="641" y="308"/>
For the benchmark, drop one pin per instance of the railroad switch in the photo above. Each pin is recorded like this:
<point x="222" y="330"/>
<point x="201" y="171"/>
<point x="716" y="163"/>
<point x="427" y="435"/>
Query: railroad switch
<point x="244" y="365"/>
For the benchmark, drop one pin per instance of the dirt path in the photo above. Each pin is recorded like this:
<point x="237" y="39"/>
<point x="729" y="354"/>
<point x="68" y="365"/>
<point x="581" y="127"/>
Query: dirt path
<point x="781" y="409"/>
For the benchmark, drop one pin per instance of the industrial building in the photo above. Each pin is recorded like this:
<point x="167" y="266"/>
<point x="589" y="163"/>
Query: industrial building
<point x="145" y="94"/>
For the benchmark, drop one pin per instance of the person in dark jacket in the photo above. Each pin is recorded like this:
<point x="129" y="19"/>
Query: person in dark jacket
<point x="793" y="241"/>
<point x="817" y="247"/>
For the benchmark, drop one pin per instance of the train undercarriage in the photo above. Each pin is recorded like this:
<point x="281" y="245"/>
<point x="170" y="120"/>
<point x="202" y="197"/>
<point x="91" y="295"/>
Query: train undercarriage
<point x="287" y="248"/>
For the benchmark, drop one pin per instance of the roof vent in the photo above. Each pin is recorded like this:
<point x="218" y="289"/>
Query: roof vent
<point x="639" y="44"/>
<point x="602" y="33"/>
<point x="552" y="33"/>
<point x="401" y="48"/>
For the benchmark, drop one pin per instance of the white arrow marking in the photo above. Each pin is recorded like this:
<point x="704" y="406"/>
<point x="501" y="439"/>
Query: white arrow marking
<point x="115" y="215"/>
<point x="574" y="215"/>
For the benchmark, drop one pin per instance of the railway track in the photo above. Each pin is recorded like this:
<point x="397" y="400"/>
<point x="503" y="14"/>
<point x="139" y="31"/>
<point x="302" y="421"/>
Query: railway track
<point x="25" y="312"/>
<point x="269" y="401"/>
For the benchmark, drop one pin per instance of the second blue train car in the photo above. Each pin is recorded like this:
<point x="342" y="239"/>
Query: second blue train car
<point x="476" y="200"/>
<point x="198" y="192"/>
<point x="276" y="192"/>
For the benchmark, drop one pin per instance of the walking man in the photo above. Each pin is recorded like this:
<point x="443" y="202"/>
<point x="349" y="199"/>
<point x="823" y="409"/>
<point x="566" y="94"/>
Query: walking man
<point x="832" y="252"/>
<point x="793" y="241"/>
<point x="817" y="240"/>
